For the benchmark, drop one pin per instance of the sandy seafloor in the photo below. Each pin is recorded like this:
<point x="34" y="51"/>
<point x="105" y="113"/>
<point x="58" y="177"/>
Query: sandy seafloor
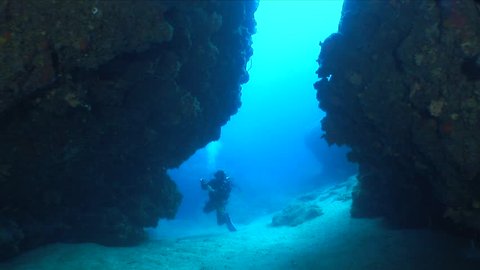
<point x="331" y="241"/>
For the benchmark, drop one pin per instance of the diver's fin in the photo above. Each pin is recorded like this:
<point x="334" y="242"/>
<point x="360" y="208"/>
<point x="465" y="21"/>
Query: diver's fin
<point x="230" y="225"/>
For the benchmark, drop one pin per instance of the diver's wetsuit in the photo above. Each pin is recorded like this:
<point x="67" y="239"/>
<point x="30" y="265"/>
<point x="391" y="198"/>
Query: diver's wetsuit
<point x="219" y="190"/>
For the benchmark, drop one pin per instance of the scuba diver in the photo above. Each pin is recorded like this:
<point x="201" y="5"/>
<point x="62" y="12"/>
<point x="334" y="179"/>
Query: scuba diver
<point x="218" y="192"/>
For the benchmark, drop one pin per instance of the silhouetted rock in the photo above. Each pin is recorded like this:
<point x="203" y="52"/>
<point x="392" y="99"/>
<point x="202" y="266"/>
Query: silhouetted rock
<point x="399" y="86"/>
<point x="332" y="158"/>
<point x="98" y="99"/>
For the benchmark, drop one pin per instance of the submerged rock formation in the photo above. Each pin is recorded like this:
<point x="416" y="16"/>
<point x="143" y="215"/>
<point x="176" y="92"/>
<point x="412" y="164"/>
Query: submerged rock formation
<point x="98" y="99"/>
<point x="334" y="165"/>
<point x="400" y="83"/>
<point x="296" y="214"/>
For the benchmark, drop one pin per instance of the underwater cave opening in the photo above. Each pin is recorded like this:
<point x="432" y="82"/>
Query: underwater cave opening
<point x="272" y="148"/>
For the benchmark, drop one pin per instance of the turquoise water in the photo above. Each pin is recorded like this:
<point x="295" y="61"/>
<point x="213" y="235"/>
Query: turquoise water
<point x="267" y="146"/>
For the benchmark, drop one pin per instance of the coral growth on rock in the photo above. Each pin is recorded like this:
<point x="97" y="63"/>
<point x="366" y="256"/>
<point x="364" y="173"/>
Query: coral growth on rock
<point x="98" y="99"/>
<point x="400" y="85"/>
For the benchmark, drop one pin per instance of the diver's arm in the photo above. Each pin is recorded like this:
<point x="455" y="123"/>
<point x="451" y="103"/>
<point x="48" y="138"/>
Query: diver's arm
<point x="209" y="188"/>
<point x="205" y="185"/>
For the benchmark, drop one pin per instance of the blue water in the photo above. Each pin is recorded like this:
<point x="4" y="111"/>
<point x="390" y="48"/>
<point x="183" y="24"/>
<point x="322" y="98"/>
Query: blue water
<point x="266" y="148"/>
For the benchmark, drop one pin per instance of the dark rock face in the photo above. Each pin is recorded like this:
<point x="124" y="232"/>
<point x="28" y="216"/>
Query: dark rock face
<point x="98" y="99"/>
<point x="404" y="94"/>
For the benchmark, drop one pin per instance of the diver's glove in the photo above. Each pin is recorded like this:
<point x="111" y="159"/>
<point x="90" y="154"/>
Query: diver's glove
<point x="203" y="183"/>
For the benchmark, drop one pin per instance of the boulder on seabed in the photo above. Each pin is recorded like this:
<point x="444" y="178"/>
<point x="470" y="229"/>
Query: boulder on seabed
<point x="296" y="214"/>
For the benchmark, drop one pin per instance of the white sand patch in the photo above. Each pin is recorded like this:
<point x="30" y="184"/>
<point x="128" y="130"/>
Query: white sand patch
<point x="331" y="241"/>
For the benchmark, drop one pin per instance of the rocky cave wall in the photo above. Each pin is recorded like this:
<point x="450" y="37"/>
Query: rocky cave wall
<point x="98" y="99"/>
<point x="400" y="83"/>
